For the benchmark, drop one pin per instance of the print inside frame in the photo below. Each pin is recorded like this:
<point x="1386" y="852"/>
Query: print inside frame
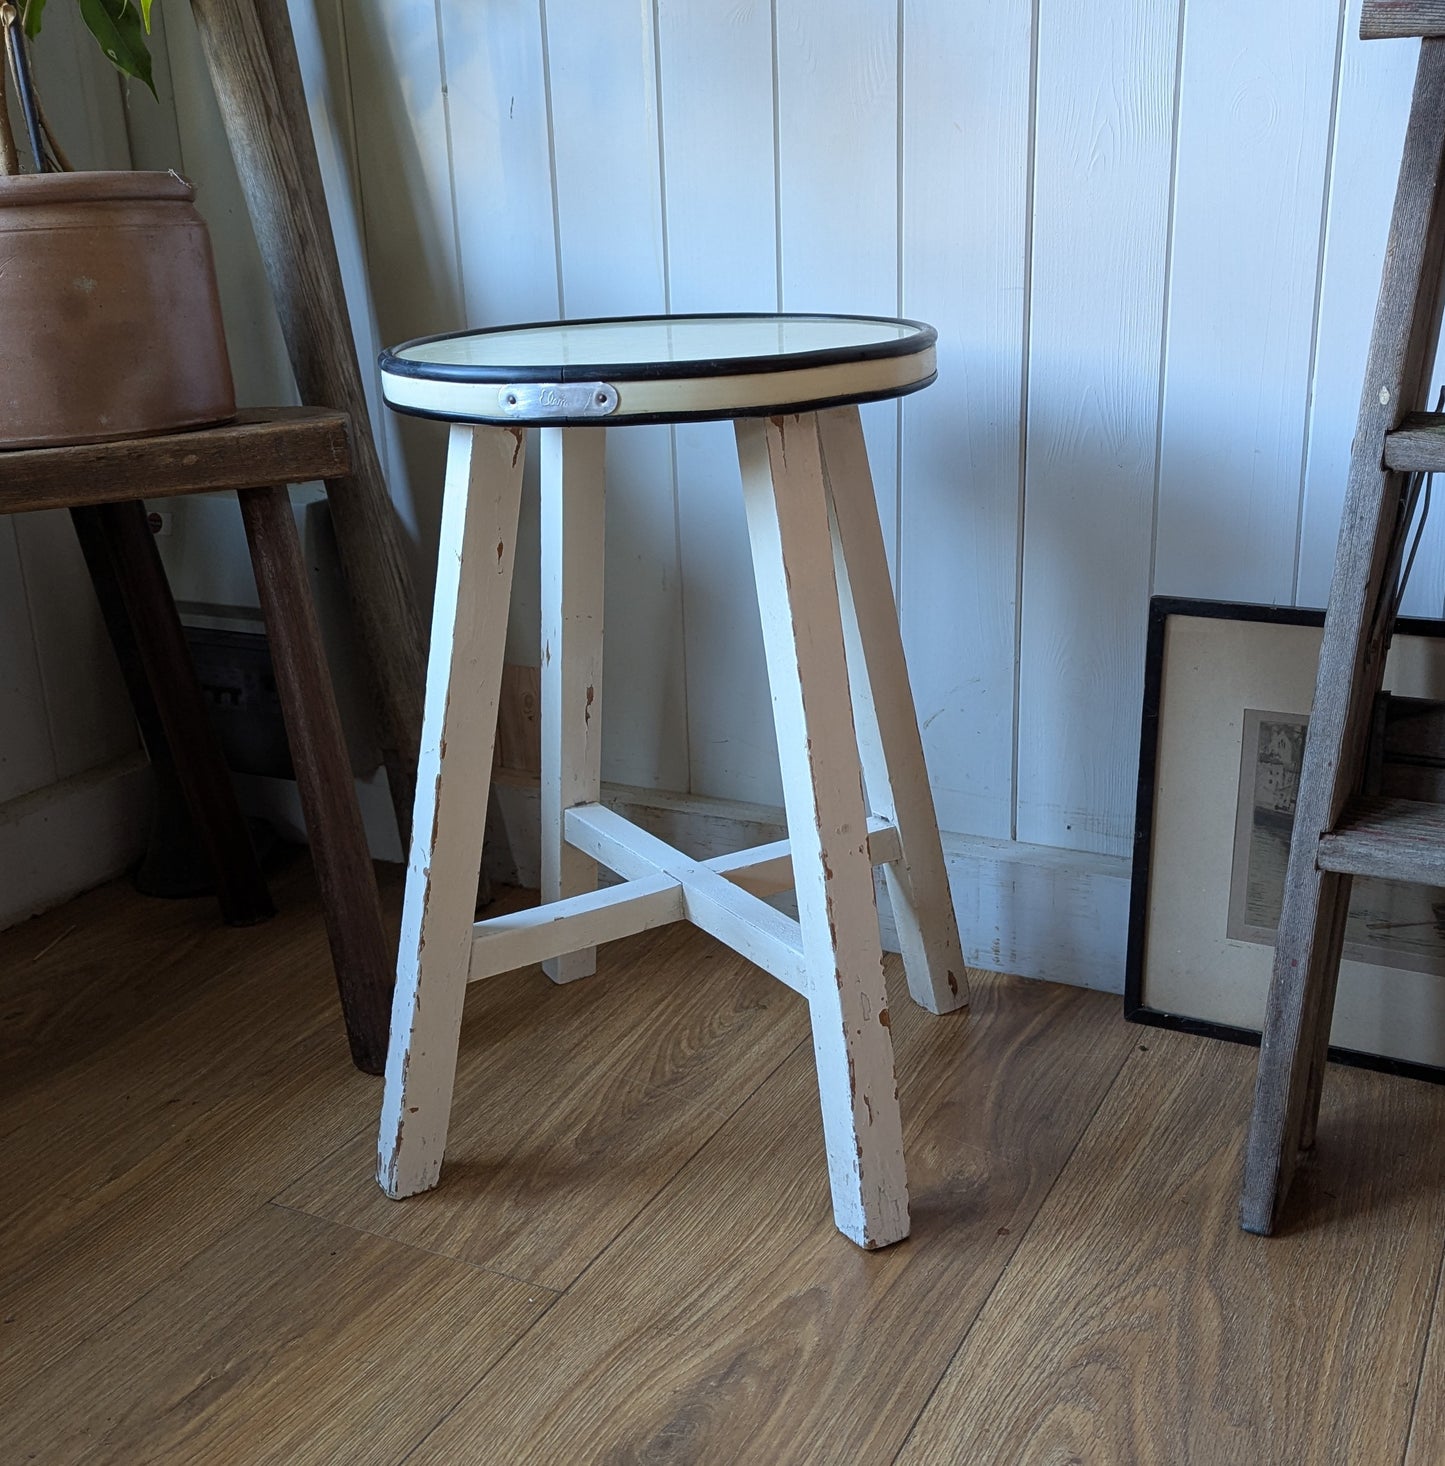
<point x="1393" y="923"/>
<point x="1228" y="688"/>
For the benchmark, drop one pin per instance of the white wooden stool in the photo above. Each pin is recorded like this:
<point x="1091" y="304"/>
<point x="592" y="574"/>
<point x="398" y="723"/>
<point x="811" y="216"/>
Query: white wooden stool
<point x="830" y="630"/>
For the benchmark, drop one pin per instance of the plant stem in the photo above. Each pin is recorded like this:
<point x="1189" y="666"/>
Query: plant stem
<point x="9" y="157"/>
<point x="24" y="88"/>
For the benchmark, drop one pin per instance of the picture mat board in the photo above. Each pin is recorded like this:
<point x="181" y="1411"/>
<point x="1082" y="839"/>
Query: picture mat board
<point x="1211" y="663"/>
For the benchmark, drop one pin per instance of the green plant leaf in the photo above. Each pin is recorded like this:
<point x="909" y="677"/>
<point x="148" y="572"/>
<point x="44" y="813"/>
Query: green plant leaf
<point x="117" y="25"/>
<point x="145" y="13"/>
<point x="32" y="13"/>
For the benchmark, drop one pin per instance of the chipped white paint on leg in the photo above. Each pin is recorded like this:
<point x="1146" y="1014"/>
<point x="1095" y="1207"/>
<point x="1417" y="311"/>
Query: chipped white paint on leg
<point x="787" y="512"/>
<point x="887" y="724"/>
<point x="573" y="497"/>
<point x="469" y="623"/>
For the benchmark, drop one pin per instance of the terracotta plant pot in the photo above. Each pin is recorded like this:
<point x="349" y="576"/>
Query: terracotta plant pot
<point x="110" y="321"/>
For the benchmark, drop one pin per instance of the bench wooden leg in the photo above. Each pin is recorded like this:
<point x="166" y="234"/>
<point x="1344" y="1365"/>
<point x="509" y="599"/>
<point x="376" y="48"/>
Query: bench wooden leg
<point x="889" y="744"/>
<point x="787" y="512"/>
<point x="130" y="580"/>
<point x="360" y="952"/>
<point x="469" y="624"/>
<point x="573" y="498"/>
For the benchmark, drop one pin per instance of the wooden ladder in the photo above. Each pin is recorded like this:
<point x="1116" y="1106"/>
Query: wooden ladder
<point x="1340" y="833"/>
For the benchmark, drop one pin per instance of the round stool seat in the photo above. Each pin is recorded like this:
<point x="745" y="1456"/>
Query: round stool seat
<point x="658" y="368"/>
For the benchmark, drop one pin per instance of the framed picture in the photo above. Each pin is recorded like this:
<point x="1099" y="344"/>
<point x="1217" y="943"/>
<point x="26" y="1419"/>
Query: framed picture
<point x="1227" y="693"/>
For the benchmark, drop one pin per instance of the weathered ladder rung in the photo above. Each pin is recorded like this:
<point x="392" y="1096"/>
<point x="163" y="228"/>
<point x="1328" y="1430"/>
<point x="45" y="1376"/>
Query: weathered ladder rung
<point x="1391" y="839"/>
<point x="1383" y="19"/>
<point x="1418" y="444"/>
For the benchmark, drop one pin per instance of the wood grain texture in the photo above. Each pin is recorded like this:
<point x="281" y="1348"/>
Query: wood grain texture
<point x="165" y="1077"/>
<point x="1352" y="660"/>
<point x="731" y="1322"/>
<point x="252" y="58"/>
<point x="282" y="445"/>
<point x="1418" y="444"/>
<point x="289" y="1339"/>
<point x="1370" y="112"/>
<point x="575" y="1105"/>
<point x="1381" y="19"/>
<point x="1427" y="1428"/>
<point x="185" y="1071"/>
<point x="1390" y="839"/>
<point x="1138" y="1324"/>
<point x="360" y="950"/>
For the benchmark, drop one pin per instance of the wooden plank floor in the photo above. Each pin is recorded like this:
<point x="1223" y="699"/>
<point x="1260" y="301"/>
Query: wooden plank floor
<point x="631" y="1256"/>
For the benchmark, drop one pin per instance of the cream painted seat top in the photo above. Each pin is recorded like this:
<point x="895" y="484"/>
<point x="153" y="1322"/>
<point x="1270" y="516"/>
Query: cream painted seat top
<point x="658" y="368"/>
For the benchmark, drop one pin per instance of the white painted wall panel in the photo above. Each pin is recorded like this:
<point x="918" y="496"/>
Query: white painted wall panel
<point x="966" y="129"/>
<point x="716" y="62"/>
<point x="838" y="182"/>
<point x="86" y="704"/>
<point x="502" y="179"/>
<point x="606" y="147"/>
<point x="1103" y="132"/>
<point x="404" y="162"/>
<point x="1254" y="126"/>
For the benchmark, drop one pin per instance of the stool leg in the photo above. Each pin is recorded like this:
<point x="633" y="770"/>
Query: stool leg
<point x="573" y="498"/>
<point x="787" y="512"/>
<point x="464" y="678"/>
<point x="120" y="549"/>
<point x="359" y="950"/>
<point x="894" y="771"/>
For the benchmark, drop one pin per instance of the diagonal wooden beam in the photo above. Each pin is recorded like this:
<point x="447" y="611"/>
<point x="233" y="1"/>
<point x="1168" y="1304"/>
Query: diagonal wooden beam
<point x="735" y="916"/>
<point x="251" y="54"/>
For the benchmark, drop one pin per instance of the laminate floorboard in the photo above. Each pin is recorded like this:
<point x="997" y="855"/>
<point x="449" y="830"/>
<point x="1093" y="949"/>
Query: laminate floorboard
<point x="1137" y="1323"/>
<point x="124" y="1155"/>
<point x="287" y="1339"/>
<point x="1427" y="1427"/>
<point x="631" y="1256"/>
<point x="576" y="1104"/>
<point x="731" y="1322"/>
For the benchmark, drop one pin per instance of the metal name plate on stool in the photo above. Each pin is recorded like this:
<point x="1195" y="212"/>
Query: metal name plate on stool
<point x="841" y="702"/>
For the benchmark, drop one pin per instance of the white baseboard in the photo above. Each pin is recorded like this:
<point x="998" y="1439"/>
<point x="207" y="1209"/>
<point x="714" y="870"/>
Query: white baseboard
<point x="1031" y="910"/>
<point x="63" y="839"/>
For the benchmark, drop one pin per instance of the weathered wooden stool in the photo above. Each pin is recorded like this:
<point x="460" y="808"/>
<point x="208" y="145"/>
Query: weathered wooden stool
<point x="103" y="486"/>
<point x="835" y="660"/>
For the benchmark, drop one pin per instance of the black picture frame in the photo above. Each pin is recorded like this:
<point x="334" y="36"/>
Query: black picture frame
<point x="1161" y="610"/>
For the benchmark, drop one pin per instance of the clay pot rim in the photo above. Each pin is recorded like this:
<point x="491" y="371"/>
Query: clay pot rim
<point x="112" y="186"/>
